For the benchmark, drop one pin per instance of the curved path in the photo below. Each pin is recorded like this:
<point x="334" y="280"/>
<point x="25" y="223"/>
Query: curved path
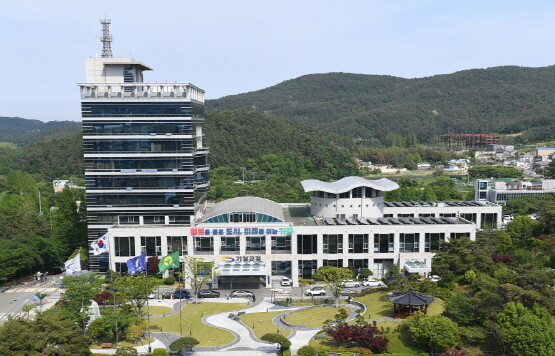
<point x="245" y="340"/>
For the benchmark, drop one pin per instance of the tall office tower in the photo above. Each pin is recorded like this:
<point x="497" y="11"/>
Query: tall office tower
<point x="145" y="158"/>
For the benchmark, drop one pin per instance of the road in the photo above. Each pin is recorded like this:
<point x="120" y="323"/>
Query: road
<point x="13" y="299"/>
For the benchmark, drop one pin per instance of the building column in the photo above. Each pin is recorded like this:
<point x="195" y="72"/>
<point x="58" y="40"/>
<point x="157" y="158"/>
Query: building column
<point x="295" y="272"/>
<point x="421" y="241"/>
<point x="242" y="245"/>
<point x="478" y="220"/>
<point x="396" y="243"/>
<point x="190" y="245"/>
<point x="268" y="245"/>
<point x="217" y="245"/>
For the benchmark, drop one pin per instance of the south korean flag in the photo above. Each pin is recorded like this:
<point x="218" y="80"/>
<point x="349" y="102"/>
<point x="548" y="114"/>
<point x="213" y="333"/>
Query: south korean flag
<point x="100" y="245"/>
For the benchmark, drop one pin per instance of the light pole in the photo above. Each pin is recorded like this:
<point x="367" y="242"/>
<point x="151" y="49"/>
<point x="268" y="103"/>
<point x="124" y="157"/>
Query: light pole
<point x="253" y="176"/>
<point x="243" y="168"/>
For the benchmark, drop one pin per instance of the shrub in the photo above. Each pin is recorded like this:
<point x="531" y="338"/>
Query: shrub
<point x="436" y="331"/>
<point x="307" y="351"/>
<point x="454" y="352"/>
<point x="169" y="280"/>
<point x="126" y="351"/>
<point x="184" y="343"/>
<point x="136" y="330"/>
<point x="372" y="290"/>
<point x="104" y="298"/>
<point x="366" y="336"/>
<point x="277" y="339"/>
<point x="159" y="352"/>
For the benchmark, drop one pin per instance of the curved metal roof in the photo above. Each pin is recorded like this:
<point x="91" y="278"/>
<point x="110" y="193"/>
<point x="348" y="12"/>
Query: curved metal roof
<point x="348" y="183"/>
<point x="246" y="205"/>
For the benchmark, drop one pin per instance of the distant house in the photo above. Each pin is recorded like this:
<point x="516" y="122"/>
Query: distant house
<point x="424" y="166"/>
<point x="59" y="185"/>
<point x="542" y="152"/>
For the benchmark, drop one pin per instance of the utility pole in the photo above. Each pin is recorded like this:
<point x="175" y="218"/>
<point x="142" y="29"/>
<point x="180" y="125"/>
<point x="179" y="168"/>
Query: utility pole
<point x="243" y="168"/>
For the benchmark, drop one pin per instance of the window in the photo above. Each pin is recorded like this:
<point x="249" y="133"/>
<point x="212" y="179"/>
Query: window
<point x="256" y="245"/>
<point x="432" y="241"/>
<point x="333" y="263"/>
<point x="357" y="192"/>
<point x="121" y="267"/>
<point x="160" y="220"/>
<point x="178" y="220"/>
<point x="405" y="215"/>
<point x="469" y="216"/>
<point x="177" y="243"/>
<point x="333" y="243"/>
<point x="306" y="244"/>
<point x="358" y="264"/>
<point x="383" y="243"/>
<point x="345" y="195"/>
<point x="448" y="215"/>
<point x="489" y="220"/>
<point x="369" y="193"/>
<point x="483" y="185"/>
<point x="124" y="246"/>
<point x="426" y="215"/>
<point x="307" y="268"/>
<point x="152" y="245"/>
<point x="458" y="235"/>
<point x="204" y="245"/>
<point x="281" y="268"/>
<point x="281" y="244"/>
<point x="409" y="242"/>
<point x="358" y="243"/>
<point x="242" y="217"/>
<point x="230" y="243"/>
<point x="129" y="220"/>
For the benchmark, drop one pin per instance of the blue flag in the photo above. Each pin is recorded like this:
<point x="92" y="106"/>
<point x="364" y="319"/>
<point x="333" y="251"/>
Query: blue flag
<point x="136" y="264"/>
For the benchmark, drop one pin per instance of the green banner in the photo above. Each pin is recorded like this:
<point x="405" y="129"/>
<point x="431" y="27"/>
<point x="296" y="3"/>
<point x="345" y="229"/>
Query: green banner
<point x="169" y="261"/>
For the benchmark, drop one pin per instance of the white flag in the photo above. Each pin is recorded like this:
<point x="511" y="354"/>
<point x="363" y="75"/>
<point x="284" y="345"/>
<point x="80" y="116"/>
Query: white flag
<point x="73" y="265"/>
<point x="100" y="245"/>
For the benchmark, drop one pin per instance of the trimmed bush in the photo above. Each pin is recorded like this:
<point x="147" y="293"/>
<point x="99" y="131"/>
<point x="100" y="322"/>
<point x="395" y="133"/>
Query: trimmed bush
<point x="307" y="351"/>
<point x="169" y="280"/>
<point x="184" y="343"/>
<point x="159" y="352"/>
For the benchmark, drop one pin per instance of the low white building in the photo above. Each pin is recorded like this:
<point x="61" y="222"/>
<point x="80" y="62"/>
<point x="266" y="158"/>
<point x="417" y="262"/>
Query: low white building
<point x="501" y="191"/>
<point x="347" y="224"/>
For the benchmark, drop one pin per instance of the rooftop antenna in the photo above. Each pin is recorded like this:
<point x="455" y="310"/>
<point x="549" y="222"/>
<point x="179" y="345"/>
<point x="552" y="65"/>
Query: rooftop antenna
<point x="106" y="38"/>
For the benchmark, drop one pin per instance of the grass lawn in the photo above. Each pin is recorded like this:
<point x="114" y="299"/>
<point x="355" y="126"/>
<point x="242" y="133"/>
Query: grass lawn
<point x="263" y="324"/>
<point x="437" y="307"/>
<point x="312" y="317"/>
<point x="192" y="315"/>
<point x="155" y="310"/>
<point x="377" y="305"/>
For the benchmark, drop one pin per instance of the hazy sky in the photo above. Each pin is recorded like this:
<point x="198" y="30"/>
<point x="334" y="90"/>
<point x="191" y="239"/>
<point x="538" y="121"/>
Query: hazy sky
<point x="230" y="47"/>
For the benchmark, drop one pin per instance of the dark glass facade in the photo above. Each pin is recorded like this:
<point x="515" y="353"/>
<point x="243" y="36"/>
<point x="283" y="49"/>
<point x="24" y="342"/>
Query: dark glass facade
<point x="146" y="155"/>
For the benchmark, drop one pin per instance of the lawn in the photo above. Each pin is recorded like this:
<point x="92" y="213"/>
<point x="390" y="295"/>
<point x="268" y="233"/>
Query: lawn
<point x="155" y="310"/>
<point x="312" y="317"/>
<point x="192" y="324"/>
<point x="261" y="323"/>
<point x="377" y="305"/>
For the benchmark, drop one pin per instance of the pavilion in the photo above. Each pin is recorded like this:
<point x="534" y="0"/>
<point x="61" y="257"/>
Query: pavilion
<point x="405" y="304"/>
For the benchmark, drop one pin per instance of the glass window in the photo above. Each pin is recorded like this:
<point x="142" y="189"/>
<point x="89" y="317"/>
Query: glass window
<point x="152" y="245"/>
<point x="306" y="244"/>
<point x="230" y="243"/>
<point x="281" y="268"/>
<point x="383" y="243"/>
<point x="345" y="195"/>
<point x="281" y="244"/>
<point x="307" y="268"/>
<point x="256" y="244"/>
<point x="333" y="263"/>
<point x="357" y="192"/>
<point x="432" y="241"/>
<point x="409" y="242"/>
<point x="204" y="244"/>
<point x="358" y="243"/>
<point x="129" y="220"/>
<point x="124" y="246"/>
<point x="154" y="220"/>
<point x="458" y="235"/>
<point x="177" y="243"/>
<point x="333" y="243"/>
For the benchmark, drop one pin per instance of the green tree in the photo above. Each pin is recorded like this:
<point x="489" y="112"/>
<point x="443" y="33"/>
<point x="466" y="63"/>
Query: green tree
<point x="79" y="291"/>
<point x="196" y="272"/>
<point x="526" y="332"/>
<point x="549" y="171"/>
<point x="136" y="289"/>
<point x="48" y="334"/>
<point x="522" y="228"/>
<point x="126" y="351"/>
<point x="184" y="343"/>
<point x="334" y="278"/>
<point x="462" y="309"/>
<point x="274" y="338"/>
<point x="434" y="331"/>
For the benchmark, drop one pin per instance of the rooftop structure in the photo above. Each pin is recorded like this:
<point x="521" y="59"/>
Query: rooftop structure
<point x="472" y="141"/>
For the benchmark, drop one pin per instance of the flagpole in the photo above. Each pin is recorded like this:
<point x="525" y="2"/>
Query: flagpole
<point x="181" y="294"/>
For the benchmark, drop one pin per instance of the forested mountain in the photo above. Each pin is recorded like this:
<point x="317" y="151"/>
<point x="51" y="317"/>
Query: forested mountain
<point x="24" y="131"/>
<point x="495" y="100"/>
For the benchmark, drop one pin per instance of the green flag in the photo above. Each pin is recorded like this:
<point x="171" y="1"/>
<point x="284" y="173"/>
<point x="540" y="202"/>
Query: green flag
<point x="169" y="261"/>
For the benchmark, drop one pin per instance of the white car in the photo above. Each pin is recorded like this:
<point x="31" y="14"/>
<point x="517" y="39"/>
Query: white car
<point x="351" y="284"/>
<point x="435" y="278"/>
<point x="316" y="291"/>
<point x="286" y="282"/>
<point x="373" y="283"/>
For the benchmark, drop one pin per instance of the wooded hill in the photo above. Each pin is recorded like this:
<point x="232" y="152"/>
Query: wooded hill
<point x="24" y="131"/>
<point x="495" y="100"/>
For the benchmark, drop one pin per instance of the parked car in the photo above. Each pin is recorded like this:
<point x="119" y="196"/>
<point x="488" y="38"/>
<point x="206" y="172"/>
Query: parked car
<point x="316" y="291"/>
<point x="371" y="282"/>
<point x="351" y="284"/>
<point x="286" y="282"/>
<point x="56" y="270"/>
<point x="208" y="293"/>
<point x="348" y="292"/>
<point x="152" y="296"/>
<point x="182" y="294"/>
<point x="435" y="278"/>
<point x="241" y="293"/>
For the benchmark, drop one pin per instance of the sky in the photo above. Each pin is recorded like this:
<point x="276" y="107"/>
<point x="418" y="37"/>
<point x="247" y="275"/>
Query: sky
<point x="234" y="46"/>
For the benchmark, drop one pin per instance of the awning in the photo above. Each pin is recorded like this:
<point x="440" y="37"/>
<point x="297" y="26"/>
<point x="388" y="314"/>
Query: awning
<point x="242" y="269"/>
<point x="417" y="266"/>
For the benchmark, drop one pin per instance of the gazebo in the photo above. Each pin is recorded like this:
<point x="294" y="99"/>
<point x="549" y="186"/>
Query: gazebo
<point x="405" y="304"/>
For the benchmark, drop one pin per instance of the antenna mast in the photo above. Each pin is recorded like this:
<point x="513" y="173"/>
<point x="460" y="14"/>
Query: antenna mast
<point x="106" y="38"/>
